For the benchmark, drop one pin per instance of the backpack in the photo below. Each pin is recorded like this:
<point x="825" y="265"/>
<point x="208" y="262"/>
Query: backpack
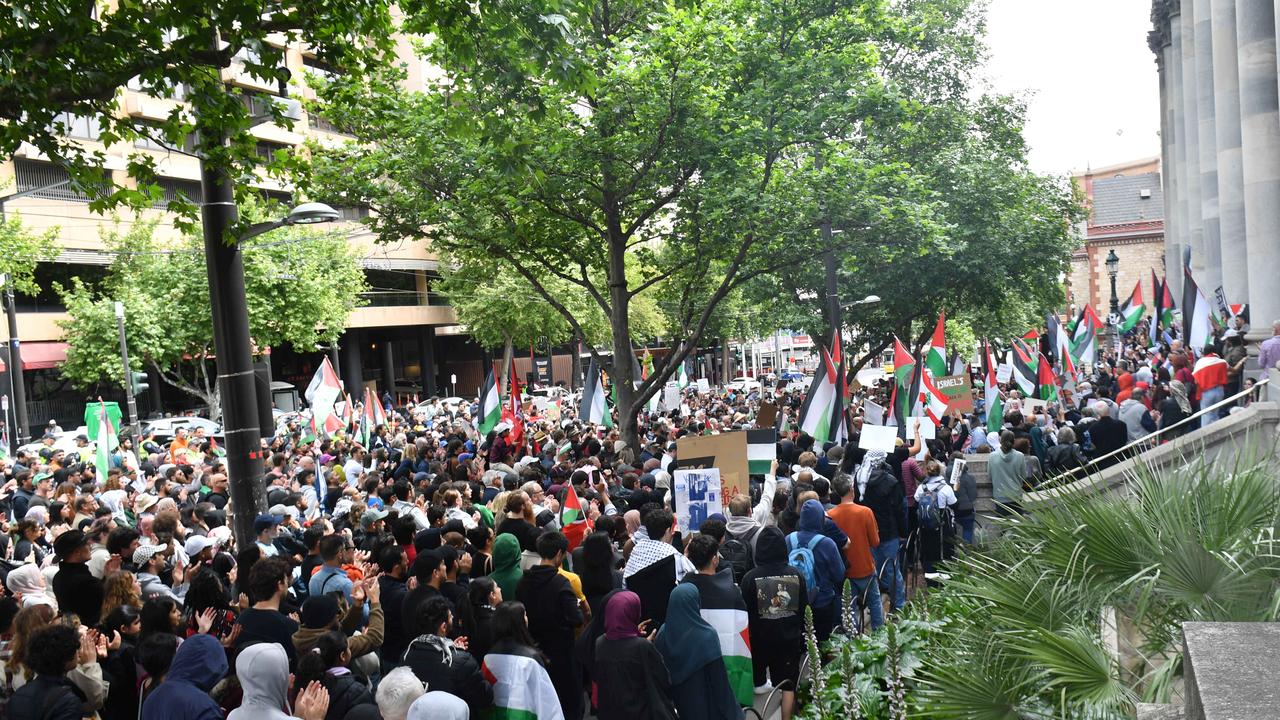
<point x="928" y="511"/>
<point x="802" y="559"/>
<point x="738" y="554"/>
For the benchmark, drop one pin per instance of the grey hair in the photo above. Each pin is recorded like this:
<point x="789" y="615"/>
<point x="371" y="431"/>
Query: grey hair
<point x="1101" y="409"/>
<point x="1066" y="436"/>
<point x="397" y="691"/>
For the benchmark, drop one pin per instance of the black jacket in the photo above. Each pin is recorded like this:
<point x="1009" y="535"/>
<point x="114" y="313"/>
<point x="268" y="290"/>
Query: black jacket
<point x="631" y="681"/>
<point x="552" y="608"/>
<point x="884" y="496"/>
<point x="345" y="693"/>
<point x="79" y="592"/>
<point x="46" y="698"/>
<point x="775" y="594"/>
<point x="395" y="638"/>
<point x="1108" y="435"/>
<point x="459" y="675"/>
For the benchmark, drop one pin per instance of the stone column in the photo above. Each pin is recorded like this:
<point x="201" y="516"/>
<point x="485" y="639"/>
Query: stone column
<point x="1260" y="146"/>
<point x="1158" y="41"/>
<point x="1176" y="160"/>
<point x="427" y="359"/>
<point x="1191" y="141"/>
<point x="352" y="368"/>
<point x="1208" y="142"/>
<point x="1226" y="102"/>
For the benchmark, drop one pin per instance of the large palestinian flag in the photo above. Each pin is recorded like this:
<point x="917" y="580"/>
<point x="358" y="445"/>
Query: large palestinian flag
<point x="594" y="407"/>
<point x="1084" y="338"/>
<point x="1132" y="310"/>
<point x="821" y="403"/>
<point x="725" y="611"/>
<point x="1197" y="317"/>
<point x="490" y="405"/>
<point x="1024" y="360"/>
<point x="522" y="690"/>
<point x="904" y="366"/>
<point x="991" y="394"/>
<point x="935" y="359"/>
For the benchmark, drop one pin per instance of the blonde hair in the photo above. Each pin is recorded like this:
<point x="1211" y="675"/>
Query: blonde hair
<point x="119" y="589"/>
<point x="26" y="622"/>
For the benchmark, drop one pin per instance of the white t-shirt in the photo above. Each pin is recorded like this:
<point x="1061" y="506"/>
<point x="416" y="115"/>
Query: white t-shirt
<point x="946" y="496"/>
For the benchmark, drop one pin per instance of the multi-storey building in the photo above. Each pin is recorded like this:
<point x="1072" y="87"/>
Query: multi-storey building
<point x="404" y="337"/>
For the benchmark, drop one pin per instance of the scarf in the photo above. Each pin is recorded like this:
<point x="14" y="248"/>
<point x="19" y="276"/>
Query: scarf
<point x="1178" y="389"/>
<point x="873" y="460"/>
<point x="645" y="553"/>
<point x="622" y="616"/>
<point x="686" y="641"/>
<point x="444" y="646"/>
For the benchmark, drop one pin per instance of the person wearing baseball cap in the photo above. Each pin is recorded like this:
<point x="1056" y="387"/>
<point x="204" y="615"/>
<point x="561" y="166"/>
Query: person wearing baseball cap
<point x="199" y="548"/>
<point x="149" y="561"/>
<point x="265" y="528"/>
<point x="75" y="588"/>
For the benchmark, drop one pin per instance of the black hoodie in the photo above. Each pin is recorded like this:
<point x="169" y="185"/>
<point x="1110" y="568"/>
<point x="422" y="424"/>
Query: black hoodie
<point x="884" y="495"/>
<point x="775" y="593"/>
<point x="552" y="608"/>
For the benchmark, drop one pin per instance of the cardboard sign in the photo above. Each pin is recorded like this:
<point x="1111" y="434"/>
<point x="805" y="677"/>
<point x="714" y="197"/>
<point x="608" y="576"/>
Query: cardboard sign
<point x="872" y="413"/>
<point x="928" y="431"/>
<point x="697" y="496"/>
<point x="727" y="452"/>
<point x="959" y="392"/>
<point x="1004" y="373"/>
<point x="767" y="416"/>
<point x="878" y="437"/>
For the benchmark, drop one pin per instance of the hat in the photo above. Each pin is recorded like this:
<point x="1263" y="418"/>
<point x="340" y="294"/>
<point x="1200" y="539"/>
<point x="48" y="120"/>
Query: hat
<point x="220" y="535"/>
<point x="53" y="423"/>
<point x="144" y="503"/>
<point x="83" y="437"/>
<point x="40" y="476"/>
<point x="264" y="522"/>
<point x="144" y="553"/>
<point x="197" y="544"/>
<point x="319" y="611"/>
<point x="68" y="542"/>
<point x="371" y="516"/>
<point x="279" y="510"/>
<point x="502" y="427"/>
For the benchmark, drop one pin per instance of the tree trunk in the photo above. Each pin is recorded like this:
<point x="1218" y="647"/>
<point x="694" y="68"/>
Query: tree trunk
<point x="508" y="357"/>
<point x="575" y="364"/>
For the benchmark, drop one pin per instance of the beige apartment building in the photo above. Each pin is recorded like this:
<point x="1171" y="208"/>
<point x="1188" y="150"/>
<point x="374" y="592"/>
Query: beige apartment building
<point x="404" y="337"/>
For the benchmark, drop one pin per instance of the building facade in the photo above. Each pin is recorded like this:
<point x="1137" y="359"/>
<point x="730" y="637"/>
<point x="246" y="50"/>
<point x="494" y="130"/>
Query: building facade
<point x="404" y="338"/>
<point x="1220" y="133"/>
<point x="1126" y="215"/>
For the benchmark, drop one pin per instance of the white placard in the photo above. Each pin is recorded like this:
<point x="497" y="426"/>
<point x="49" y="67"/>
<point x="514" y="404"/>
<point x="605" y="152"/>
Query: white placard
<point x="878" y="437"/>
<point x="704" y="386"/>
<point x="928" y="431"/>
<point x="1032" y="405"/>
<point x="671" y="396"/>
<point x="872" y="413"/>
<point x="697" y="497"/>
<point x="1004" y="373"/>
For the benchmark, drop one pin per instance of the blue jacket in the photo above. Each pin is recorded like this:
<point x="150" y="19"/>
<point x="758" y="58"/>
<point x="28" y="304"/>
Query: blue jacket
<point x="184" y="695"/>
<point x="330" y="579"/>
<point x="828" y="565"/>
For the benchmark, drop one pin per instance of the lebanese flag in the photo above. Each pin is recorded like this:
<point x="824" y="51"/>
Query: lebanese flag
<point x="932" y="399"/>
<point x="573" y="522"/>
<point x="522" y="689"/>
<point x="1210" y="372"/>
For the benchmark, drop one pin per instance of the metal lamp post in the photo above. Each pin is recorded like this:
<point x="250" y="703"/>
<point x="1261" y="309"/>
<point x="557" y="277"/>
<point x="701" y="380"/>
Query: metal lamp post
<point x="1114" y="319"/>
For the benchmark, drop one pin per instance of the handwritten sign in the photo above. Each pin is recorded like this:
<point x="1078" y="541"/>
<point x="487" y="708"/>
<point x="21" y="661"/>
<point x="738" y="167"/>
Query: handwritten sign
<point x="959" y="392"/>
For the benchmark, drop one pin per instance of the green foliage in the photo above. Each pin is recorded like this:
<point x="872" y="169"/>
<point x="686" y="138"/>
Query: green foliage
<point x="301" y="285"/>
<point x="21" y="250"/>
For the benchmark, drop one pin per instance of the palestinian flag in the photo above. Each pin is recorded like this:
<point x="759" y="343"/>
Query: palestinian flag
<point x="1157" y="310"/>
<point x="932" y="399"/>
<point x="490" y="405"/>
<point x="573" y="522"/>
<point x="1024" y="360"/>
<point x="762" y="449"/>
<point x="1132" y="310"/>
<point x="367" y="415"/>
<point x="935" y="359"/>
<point x="513" y="411"/>
<point x="1059" y="344"/>
<point x="995" y="405"/>
<point x="904" y="366"/>
<point x="725" y="611"/>
<point x="594" y="408"/>
<point x="107" y="440"/>
<point x="1047" y="381"/>
<point x="1084" y="340"/>
<point x="1197" y="318"/>
<point x="838" y="433"/>
<point x="683" y="377"/>
<point x="322" y="394"/>
<point x="1069" y="374"/>
<point x="379" y="412"/>
<point x="821" y="403"/>
<point x="1167" y="307"/>
<point x="522" y="689"/>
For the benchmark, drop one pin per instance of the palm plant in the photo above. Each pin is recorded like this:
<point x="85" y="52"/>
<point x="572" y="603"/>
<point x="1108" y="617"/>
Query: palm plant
<point x="1024" y="637"/>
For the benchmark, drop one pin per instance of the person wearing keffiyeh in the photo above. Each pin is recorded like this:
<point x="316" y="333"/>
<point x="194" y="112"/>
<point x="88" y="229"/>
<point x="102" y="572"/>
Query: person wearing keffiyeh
<point x="659" y="526"/>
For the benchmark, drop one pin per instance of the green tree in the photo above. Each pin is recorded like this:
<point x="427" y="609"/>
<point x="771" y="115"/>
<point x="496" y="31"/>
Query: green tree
<point x="301" y="286"/>
<point x="21" y="250"/>
<point x="690" y="150"/>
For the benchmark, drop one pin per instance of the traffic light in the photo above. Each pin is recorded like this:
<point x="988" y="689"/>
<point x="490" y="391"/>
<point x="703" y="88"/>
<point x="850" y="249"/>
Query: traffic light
<point x="138" y="382"/>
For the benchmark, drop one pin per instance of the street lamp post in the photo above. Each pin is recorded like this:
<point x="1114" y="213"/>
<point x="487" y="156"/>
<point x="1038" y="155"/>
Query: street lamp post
<point x="1114" y="319"/>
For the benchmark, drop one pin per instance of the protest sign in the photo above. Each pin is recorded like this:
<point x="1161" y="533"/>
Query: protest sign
<point x="1030" y="405"/>
<point x="1004" y="373"/>
<point x="959" y="392"/>
<point x="928" y="431"/>
<point x="767" y="415"/>
<point x="872" y="413"/>
<point x="697" y="496"/>
<point x="878" y="437"/>
<point x="727" y="452"/>
<point x="671" y="395"/>
<point x="704" y="387"/>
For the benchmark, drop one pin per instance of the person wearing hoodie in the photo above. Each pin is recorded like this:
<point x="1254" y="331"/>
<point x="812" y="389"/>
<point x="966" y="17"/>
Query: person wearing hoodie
<point x="1135" y="415"/>
<point x="198" y="665"/>
<point x="263" y="671"/>
<point x="320" y="613"/>
<point x="828" y="566"/>
<point x="444" y="664"/>
<point x="436" y="705"/>
<point x="506" y="563"/>
<point x="555" y="613"/>
<point x="776" y="597"/>
<point x="881" y="490"/>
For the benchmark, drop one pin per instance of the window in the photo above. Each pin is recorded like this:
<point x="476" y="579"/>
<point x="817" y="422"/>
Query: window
<point x="391" y="288"/>
<point x="248" y="55"/>
<point x="176" y="92"/>
<point x="319" y="67"/>
<point x="353" y="213"/>
<point x="175" y="188"/>
<point x="317" y="122"/>
<point x="257" y="104"/>
<point x="34" y="175"/>
<point x="266" y="150"/>
<point x="50" y="274"/>
<point x="156" y="140"/>
<point x="278" y="196"/>
<point x="76" y="126"/>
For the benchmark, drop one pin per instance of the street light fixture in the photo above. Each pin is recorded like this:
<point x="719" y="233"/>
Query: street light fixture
<point x="868" y="300"/>
<point x="305" y="214"/>
<point x="1113" y="319"/>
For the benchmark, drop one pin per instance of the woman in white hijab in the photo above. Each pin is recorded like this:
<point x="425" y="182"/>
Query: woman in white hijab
<point x="436" y="705"/>
<point x="114" y="500"/>
<point x="29" y="582"/>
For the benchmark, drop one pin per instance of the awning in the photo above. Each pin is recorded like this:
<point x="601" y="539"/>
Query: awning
<point x="43" y="355"/>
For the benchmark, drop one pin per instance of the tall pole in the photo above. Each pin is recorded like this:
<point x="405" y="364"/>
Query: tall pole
<point x="22" y="429"/>
<point x="236" y="386"/>
<point x="128" y="373"/>
<point x="829" y="265"/>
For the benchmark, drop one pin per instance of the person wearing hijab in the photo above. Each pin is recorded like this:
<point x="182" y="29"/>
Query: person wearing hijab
<point x="1174" y="409"/>
<point x="437" y="705"/>
<point x="198" y="665"/>
<point x="506" y="564"/>
<point x="691" y="650"/>
<point x="630" y="679"/>
<point x="28" y="581"/>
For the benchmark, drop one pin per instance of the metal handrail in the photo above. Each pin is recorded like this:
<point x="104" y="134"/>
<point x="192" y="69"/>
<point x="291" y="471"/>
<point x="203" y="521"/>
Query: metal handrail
<point x="1091" y="466"/>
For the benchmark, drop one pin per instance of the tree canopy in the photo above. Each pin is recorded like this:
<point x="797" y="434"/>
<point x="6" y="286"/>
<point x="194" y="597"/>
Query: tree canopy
<point x="21" y="250"/>
<point x="301" y="286"/>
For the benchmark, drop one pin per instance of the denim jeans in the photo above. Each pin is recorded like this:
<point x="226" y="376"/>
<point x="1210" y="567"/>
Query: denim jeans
<point x="889" y="571"/>
<point x="867" y="594"/>
<point x="1208" y="398"/>
<point x="966" y="523"/>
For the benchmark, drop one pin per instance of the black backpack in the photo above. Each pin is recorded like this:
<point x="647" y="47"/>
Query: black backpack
<point x="739" y="553"/>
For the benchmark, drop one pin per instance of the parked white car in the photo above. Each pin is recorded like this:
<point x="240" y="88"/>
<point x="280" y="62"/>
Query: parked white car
<point x="742" y="383"/>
